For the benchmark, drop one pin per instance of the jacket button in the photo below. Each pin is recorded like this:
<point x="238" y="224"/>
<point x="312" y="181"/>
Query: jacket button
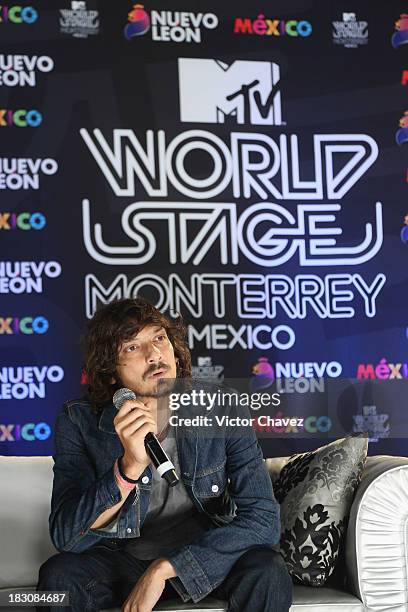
<point x="145" y="479"/>
<point x="214" y="488"/>
<point x="129" y="530"/>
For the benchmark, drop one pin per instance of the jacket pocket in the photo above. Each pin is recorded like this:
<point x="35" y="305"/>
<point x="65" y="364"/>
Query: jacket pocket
<point x="211" y="484"/>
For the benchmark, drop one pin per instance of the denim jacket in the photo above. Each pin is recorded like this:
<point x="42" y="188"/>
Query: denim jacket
<point x="224" y="475"/>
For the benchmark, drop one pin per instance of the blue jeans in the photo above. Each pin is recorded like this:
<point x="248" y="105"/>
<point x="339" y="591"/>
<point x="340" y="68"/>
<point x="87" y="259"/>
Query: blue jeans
<point x="103" y="576"/>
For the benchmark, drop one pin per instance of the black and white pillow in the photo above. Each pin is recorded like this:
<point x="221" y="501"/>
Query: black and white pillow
<point x="315" y="491"/>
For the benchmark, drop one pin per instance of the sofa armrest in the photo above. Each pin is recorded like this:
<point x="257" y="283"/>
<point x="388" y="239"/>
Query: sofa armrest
<point x="377" y="535"/>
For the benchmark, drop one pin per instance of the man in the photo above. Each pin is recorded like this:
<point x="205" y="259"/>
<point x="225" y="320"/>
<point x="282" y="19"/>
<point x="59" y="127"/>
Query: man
<point x="126" y="537"/>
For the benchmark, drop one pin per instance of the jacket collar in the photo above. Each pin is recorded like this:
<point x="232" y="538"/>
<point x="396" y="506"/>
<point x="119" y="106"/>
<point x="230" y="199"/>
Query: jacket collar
<point x="106" y="419"/>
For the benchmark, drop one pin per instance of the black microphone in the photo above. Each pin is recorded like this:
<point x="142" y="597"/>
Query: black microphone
<point x="153" y="447"/>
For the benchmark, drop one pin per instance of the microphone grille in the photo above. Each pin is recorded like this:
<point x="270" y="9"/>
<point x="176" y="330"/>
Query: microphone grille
<point x="121" y="396"/>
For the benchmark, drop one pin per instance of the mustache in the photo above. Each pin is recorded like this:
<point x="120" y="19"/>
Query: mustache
<point x="161" y="365"/>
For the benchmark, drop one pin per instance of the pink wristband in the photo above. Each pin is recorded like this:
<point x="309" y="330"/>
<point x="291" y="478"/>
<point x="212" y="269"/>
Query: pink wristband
<point x="122" y="483"/>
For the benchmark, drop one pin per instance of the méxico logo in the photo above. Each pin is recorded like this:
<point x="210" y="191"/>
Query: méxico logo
<point x="243" y="92"/>
<point x="18" y="14"/>
<point x="262" y="26"/>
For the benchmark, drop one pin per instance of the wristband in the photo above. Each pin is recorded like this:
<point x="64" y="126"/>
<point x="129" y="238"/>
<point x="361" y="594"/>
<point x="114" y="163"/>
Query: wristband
<point x="122" y="474"/>
<point x="122" y="482"/>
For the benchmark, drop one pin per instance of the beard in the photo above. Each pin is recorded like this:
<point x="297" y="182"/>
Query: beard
<point x="163" y="388"/>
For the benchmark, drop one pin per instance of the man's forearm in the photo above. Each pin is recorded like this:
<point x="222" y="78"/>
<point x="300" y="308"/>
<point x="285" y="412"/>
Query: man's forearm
<point x="108" y="515"/>
<point x="133" y="471"/>
<point x="165" y="568"/>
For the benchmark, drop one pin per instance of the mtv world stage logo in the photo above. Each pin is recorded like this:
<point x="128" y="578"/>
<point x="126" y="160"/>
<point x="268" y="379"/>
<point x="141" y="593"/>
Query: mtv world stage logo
<point x="78" y="21"/>
<point x="400" y="37"/>
<point x="377" y="425"/>
<point x="286" y="217"/>
<point x="168" y="26"/>
<point x="244" y="92"/>
<point x="206" y="370"/>
<point x="350" y="33"/>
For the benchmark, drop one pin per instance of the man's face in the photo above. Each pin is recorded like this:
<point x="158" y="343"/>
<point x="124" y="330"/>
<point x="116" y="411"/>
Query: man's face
<point x="146" y="359"/>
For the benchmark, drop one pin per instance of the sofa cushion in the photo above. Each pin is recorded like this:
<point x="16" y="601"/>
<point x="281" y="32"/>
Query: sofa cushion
<point x="315" y="491"/>
<point x="25" y="484"/>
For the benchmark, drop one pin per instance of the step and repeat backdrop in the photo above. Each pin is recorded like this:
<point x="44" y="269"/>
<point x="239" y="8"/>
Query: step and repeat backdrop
<point x="245" y="165"/>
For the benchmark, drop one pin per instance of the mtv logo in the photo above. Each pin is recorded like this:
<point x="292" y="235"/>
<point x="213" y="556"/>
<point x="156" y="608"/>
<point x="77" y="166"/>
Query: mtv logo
<point x="78" y="5"/>
<point x="204" y="361"/>
<point x="245" y="91"/>
<point x="349" y="17"/>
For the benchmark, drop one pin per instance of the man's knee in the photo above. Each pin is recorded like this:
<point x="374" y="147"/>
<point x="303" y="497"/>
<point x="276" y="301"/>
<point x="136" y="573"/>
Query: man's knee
<point x="268" y="570"/>
<point x="58" y="571"/>
<point x="258" y="558"/>
<point x="277" y="578"/>
<point x="265" y="562"/>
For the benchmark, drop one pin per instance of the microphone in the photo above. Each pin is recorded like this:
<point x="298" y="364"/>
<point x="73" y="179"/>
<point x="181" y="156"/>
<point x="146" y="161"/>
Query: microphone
<point x="153" y="447"/>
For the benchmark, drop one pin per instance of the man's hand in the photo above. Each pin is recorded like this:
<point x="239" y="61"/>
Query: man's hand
<point x="148" y="589"/>
<point x="132" y="423"/>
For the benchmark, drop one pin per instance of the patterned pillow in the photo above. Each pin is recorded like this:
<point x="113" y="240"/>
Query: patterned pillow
<point x="315" y="491"/>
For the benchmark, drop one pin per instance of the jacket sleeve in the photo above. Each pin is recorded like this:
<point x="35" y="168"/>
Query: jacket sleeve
<point x="78" y="496"/>
<point x="202" y="565"/>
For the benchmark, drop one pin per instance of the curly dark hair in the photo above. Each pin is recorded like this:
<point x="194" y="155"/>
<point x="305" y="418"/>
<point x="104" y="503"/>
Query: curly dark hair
<point x="114" y="324"/>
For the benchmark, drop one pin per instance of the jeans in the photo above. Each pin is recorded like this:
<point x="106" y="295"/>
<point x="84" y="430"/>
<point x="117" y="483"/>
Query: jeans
<point x="103" y="576"/>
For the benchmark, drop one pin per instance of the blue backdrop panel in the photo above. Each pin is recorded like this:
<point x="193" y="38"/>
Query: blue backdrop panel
<point x="243" y="165"/>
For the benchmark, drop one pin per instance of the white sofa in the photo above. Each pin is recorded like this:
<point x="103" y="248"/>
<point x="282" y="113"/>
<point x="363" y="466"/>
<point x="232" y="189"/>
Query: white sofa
<point x="376" y="548"/>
